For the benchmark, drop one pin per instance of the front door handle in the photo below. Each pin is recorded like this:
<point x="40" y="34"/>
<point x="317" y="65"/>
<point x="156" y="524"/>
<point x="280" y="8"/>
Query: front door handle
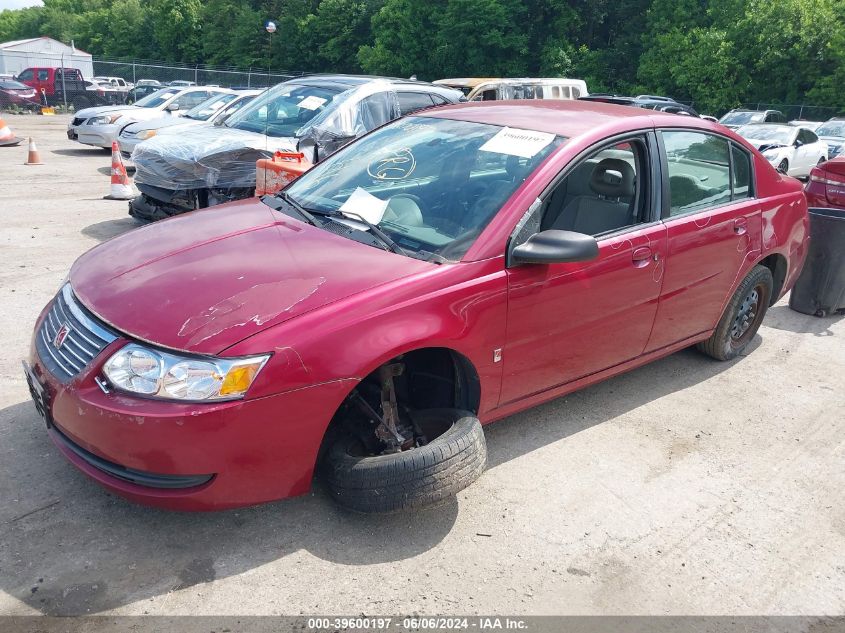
<point x="741" y="226"/>
<point x="641" y="256"/>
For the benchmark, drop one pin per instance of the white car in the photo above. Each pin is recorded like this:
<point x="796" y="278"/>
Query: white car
<point x="100" y="126"/>
<point x="117" y="82"/>
<point x="217" y="108"/>
<point x="792" y="150"/>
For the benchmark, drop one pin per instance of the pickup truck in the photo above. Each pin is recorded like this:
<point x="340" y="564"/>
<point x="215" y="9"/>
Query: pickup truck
<point x="60" y="85"/>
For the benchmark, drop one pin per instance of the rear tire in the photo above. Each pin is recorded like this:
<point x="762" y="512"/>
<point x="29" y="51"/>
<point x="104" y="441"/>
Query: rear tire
<point x="742" y="317"/>
<point x="415" y="478"/>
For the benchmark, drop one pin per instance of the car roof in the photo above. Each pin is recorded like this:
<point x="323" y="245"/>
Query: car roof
<point x="562" y="117"/>
<point x="345" y="82"/>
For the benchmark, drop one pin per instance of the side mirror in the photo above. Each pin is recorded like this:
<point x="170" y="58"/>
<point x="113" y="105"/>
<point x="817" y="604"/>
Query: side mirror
<point x="798" y="143"/>
<point x="556" y="247"/>
<point x="172" y="107"/>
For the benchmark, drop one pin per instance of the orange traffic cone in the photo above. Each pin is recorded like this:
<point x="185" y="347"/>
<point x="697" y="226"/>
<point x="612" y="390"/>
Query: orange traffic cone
<point x="121" y="185"/>
<point x="7" y="137"/>
<point x="33" y="158"/>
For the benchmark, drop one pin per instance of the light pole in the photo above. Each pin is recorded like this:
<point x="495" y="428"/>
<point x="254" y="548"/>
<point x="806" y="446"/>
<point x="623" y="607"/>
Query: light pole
<point x="270" y="27"/>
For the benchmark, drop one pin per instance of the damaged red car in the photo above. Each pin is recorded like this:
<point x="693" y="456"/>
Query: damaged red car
<point x="444" y="271"/>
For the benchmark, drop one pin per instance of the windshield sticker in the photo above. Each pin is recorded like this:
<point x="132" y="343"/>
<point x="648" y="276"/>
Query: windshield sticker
<point x="365" y="204"/>
<point x="516" y="142"/>
<point x="311" y="103"/>
<point x="396" y="165"/>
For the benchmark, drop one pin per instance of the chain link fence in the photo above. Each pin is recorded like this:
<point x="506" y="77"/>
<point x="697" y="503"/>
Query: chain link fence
<point x="226" y="76"/>
<point x="802" y="112"/>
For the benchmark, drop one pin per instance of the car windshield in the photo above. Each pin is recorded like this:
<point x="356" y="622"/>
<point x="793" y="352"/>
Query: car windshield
<point x="741" y="118"/>
<point x="10" y="84"/>
<point x="430" y="184"/>
<point x="283" y="110"/>
<point x="831" y="128"/>
<point x="777" y="133"/>
<point x="204" y="110"/>
<point x="156" y="99"/>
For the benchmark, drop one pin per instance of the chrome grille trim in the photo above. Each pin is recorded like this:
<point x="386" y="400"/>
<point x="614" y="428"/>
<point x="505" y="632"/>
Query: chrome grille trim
<point x="85" y="339"/>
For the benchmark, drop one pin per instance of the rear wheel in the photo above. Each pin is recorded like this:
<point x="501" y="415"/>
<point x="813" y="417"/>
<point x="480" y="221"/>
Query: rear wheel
<point x="742" y="317"/>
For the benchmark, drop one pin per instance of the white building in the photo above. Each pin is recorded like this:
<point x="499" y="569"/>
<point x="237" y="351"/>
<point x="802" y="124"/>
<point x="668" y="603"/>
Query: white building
<point x="42" y="51"/>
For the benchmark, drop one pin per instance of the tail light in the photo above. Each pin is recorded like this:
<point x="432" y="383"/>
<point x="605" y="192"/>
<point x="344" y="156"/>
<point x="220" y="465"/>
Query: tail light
<point x="825" y="177"/>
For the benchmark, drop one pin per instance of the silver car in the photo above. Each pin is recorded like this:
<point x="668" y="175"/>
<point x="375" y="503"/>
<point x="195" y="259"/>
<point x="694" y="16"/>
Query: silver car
<point x="315" y="115"/>
<point x="100" y="126"/>
<point x="215" y="109"/>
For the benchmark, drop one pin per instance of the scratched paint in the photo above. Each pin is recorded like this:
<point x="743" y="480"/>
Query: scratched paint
<point x="263" y="301"/>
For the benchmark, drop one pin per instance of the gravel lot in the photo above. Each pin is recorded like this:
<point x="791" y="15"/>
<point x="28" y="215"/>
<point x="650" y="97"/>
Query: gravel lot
<point x="684" y="487"/>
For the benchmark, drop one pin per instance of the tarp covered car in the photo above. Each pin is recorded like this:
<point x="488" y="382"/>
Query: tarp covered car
<point x="315" y="115"/>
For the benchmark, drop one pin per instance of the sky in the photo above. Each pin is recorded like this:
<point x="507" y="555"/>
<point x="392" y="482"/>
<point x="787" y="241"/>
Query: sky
<point x="18" y="4"/>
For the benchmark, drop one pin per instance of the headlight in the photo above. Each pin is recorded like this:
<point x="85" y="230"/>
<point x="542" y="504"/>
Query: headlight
<point x="145" y="134"/>
<point x="104" y="119"/>
<point x="771" y="154"/>
<point x="148" y="372"/>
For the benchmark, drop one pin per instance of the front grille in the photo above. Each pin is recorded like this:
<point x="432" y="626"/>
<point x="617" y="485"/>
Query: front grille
<point x="84" y="337"/>
<point x="78" y="121"/>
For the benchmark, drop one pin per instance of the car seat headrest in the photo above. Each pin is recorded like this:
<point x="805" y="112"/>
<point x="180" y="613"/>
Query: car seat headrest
<point x="613" y="178"/>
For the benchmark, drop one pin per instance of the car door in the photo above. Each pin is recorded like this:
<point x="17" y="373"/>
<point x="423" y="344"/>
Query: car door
<point x="713" y="223"/>
<point x="569" y="320"/>
<point x="814" y="150"/>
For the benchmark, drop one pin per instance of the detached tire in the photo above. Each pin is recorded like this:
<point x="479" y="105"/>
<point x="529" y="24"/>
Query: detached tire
<point x="414" y="478"/>
<point x="742" y="317"/>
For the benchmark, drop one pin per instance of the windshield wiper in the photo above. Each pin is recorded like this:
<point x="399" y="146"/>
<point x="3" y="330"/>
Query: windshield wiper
<point x="392" y="246"/>
<point x="269" y="200"/>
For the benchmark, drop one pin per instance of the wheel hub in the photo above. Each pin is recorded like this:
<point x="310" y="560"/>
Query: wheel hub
<point x="745" y="315"/>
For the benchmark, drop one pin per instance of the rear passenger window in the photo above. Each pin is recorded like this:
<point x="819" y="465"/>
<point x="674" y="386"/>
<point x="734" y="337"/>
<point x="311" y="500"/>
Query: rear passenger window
<point x="699" y="171"/>
<point x="741" y="173"/>
<point x="413" y="101"/>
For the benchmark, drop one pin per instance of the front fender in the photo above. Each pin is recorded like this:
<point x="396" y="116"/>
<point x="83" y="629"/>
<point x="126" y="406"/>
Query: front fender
<point x="461" y="307"/>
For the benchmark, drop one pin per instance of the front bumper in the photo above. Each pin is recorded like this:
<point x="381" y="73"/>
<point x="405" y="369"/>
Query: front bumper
<point x="187" y="456"/>
<point x="98" y="135"/>
<point x="127" y="146"/>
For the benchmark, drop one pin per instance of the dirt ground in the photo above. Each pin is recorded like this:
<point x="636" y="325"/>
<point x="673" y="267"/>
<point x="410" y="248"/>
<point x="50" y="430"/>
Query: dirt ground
<point x="685" y="487"/>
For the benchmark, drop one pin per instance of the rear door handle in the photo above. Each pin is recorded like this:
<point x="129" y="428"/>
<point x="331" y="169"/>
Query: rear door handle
<point x="641" y="256"/>
<point x="740" y="226"/>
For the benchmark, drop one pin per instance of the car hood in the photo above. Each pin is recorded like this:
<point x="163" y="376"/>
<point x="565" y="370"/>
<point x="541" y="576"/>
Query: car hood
<point x="204" y="157"/>
<point x="161" y="122"/>
<point x="833" y="140"/>
<point x="763" y="145"/>
<point x="203" y="281"/>
<point x="87" y="113"/>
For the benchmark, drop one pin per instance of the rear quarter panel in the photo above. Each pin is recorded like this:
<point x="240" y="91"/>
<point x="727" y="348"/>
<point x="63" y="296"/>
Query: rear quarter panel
<point x="785" y="221"/>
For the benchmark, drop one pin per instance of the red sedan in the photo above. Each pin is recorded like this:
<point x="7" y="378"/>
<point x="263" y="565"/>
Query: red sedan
<point x="446" y="270"/>
<point x="826" y="185"/>
<point x="14" y="93"/>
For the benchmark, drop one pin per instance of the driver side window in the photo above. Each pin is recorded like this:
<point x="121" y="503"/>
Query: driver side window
<point x="602" y="194"/>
